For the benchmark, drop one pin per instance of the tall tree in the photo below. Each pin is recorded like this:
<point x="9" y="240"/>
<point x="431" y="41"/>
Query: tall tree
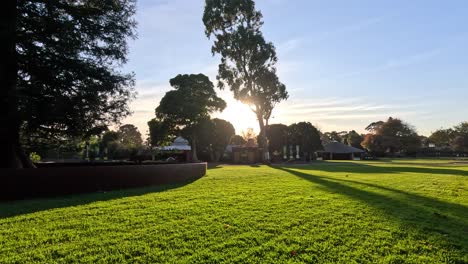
<point x="250" y="135"/>
<point x="59" y="71"/>
<point x="392" y="136"/>
<point x="160" y="133"/>
<point x="277" y="137"/>
<point x="332" y="136"/>
<point x="223" y="132"/>
<point x="106" y="140"/>
<point x="247" y="59"/>
<point x="459" y="142"/>
<point x="215" y="136"/>
<point x="354" y="139"/>
<point x="442" y="137"/>
<point x="237" y="140"/>
<point x="129" y="136"/>
<point x="306" y="136"/>
<point x="374" y="126"/>
<point x="12" y="155"/>
<point x="192" y="101"/>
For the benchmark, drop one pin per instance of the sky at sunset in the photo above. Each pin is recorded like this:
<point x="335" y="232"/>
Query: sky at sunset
<point x="345" y="63"/>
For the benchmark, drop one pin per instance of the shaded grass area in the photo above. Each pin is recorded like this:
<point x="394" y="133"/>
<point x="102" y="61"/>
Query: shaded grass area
<point x="366" y="212"/>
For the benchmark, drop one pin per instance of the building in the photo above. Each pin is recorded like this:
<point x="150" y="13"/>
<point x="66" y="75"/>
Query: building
<point x="248" y="153"/>
<point x="179" y="150"/>
<point x="338" y="151"/>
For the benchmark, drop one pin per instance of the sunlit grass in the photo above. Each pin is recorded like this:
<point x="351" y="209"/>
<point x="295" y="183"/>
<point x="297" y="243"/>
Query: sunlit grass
<point x="385" y="211"/>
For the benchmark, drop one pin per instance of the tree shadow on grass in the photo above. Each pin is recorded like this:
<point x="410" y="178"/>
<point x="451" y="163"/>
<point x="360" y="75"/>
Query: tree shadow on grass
<point x="357" y="167"/>
<point x="20" y="207"/>
<point x="426" y="215"/>
<point x="214" y="165"/>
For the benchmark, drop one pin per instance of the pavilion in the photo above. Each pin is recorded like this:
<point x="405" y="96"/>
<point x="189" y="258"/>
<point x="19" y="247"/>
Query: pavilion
<point x="179" y="150"/>
<point x="335" y="150"/>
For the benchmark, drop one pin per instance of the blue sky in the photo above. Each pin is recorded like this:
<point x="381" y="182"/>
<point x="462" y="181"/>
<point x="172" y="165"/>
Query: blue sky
<point x="345" y="63"/>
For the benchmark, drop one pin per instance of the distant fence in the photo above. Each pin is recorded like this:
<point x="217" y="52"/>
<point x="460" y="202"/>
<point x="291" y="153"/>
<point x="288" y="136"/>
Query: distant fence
<point x="55" y="181"/>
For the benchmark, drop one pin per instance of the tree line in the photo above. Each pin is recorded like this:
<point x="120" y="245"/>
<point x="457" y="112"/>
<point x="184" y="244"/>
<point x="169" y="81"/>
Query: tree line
<point x="60" y="72"/>
<point x="62" y="82"/>
<point x="395" y="137"/>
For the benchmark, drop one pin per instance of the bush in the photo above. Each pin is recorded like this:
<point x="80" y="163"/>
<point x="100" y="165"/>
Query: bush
<point x="34" y="157"/>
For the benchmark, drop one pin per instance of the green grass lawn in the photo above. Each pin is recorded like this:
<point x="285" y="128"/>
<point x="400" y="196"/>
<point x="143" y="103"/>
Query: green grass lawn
<point x="405" y="211"/>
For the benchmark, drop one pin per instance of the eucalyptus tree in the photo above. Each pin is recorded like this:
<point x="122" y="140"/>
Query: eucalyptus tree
<point x="248" y="61"/>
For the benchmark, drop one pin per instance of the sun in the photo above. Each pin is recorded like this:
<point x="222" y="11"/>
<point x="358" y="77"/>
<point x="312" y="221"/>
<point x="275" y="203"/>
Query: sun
<point x="240" y="116"/>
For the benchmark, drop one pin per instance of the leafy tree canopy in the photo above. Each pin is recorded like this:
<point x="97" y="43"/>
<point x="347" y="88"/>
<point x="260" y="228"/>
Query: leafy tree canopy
<point x="332" y="136"/>
<point x="460" y="140"/>
<point x="392" y="136"/>
<point x="442" y="137"/>
<point x="129" y="136"/>
<point x="237" y="140"/>
<point x="68" y="53"/>
<point x="160" y="133"/>
<point x="59" y="69"/>
<point x="191" y="102"/>
<point x="306" y="136"/>
<point x="277" y="136"/>
<point x="214" y="136"/>
<point x="247" y="59"/>
<point x="354" y="139"/>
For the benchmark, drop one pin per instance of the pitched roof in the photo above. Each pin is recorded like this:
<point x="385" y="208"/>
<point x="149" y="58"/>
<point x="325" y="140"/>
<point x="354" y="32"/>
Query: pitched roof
<point x="338" y="147"/>
<point x="180" y="141"/>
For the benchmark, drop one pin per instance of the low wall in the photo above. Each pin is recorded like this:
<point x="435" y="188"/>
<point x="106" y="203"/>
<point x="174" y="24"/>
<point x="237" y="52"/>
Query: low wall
<point x="54" y="181"/>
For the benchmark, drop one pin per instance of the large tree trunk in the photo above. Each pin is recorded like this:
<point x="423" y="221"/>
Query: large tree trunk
<point x="263" y="139"/>
<point x="12" y="154"/>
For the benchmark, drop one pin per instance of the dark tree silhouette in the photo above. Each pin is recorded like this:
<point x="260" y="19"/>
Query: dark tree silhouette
<point x="213" y="137"/>
<point x="354" y="139"/>
<point x="460" y="140"/>
<point x="222" y="134"/>
<point x="306" y="136"/>
<point x="160" y="133"/>
<point x="392" y="136"/>
<point x="442" y="137"/>
<point x="247" y="60"/>
<point x="58" y="69"/>
<point x="237" y="140"/>
<point x="129" y="136"/>
<point x="332" y="136"/>
<point x="277" y="136"/>
<point x="192" y="101"/>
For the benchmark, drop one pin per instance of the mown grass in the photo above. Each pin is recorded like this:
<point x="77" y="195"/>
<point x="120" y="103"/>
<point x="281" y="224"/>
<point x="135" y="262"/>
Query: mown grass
<point x="392" y="211"/>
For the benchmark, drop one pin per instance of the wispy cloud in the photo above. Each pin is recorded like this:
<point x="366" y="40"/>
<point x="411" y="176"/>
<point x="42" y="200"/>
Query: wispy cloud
<point x="350" y="28"/>
<point x="343" y="114"/>
<point x="394" y="64"/>
<point x="408" y="60"/>
<point x="289" y="45"/>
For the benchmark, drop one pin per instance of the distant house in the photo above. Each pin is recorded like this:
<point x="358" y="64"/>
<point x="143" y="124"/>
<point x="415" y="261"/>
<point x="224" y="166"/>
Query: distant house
<point x="179" y="150"/>
<point x="179" y="143"/>
<point x="335" y="150"/>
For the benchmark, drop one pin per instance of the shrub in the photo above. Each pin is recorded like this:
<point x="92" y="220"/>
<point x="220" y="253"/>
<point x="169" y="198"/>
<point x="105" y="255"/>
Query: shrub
<point x="34" y="157"/>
